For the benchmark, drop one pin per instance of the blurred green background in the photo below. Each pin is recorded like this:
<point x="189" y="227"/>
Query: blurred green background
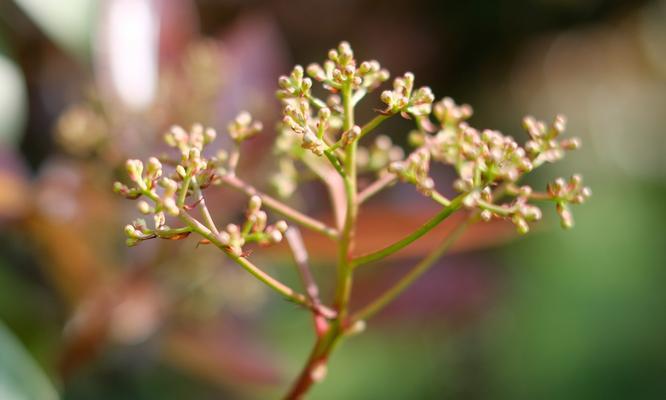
<point x="555" y="315"/>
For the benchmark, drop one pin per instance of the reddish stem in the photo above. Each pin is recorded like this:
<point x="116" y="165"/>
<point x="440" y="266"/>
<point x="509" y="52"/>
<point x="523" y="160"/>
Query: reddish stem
<point x="315" y="369"/>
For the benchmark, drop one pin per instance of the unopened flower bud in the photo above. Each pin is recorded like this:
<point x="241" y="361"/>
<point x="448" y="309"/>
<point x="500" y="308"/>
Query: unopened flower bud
<point x="134" y="170"/>
<point x="224" y="238"/>
<point x="521" y="225"/>
<point x="571" y="143"/>
<point x="316" y="72"/>
<point x="281" y="226"/>
<point x="566" y="218"/>
<point x="170" y="206"/>
<point x="275" y="236"/>
<point x="154" y="168"/>
<point x="144" y="207"/>
<point x="324" y="114"/>
<point x="254" y="204"/>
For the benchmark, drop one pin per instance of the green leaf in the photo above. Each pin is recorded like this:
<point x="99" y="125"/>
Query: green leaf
<point x="20" y="377"/>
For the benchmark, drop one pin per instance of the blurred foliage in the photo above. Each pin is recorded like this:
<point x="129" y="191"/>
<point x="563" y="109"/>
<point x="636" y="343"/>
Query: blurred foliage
<point x="20" y="377"/>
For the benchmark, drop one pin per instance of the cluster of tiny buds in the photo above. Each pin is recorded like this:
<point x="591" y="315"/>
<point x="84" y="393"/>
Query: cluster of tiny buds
<point x="519" y="211"/>
<point x="404" y="99"/>
<point x="195" y="139"/>
<point x="144" y="180"/>
<point x="146" y="183"/>
<point x="255" y="229"/>
<point x="379" y="155"/>
<point x="297" y="118"/>
<point x="243" y="127"/>
<point x="341" y="69"/>
<point x="294" y="85"/>
<point x="543" y="145"/>
<point x="565" y="193"/>
<point x="449" y="114"/>
<point x="138" y="230"/>
<point x="415" y="170"/>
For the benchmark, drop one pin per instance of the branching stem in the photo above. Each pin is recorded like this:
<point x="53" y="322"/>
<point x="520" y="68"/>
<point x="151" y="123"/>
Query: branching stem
<point x="407" y="240"/>
<point x="246" y="264"/>
<point x="419" y="269"/>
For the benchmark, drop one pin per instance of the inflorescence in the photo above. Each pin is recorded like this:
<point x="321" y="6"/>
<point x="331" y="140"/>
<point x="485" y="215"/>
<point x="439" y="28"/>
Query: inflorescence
<point x="320" y="136"/>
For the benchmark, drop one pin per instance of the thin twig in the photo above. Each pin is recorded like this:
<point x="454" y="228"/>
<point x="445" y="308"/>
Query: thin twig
<point x="280" y="207"/>
<point x="425" y="228"/>
<point x="300" y="253"/>
<point x="289" y="293"/>
<point x="205" y="213"/>
<point x="404" y="282"/>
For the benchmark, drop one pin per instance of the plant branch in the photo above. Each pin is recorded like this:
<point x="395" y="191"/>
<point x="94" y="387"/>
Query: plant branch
<point x="300" y="254"/>
<point x="246" y="264"/>
<point x="404" y="282"/>
<point x="184" y="188"/>
<point x="346" y="241"/>
<point x="279" y="207"/>
<point x="372" y="124"/>
<point x="205" y="213"/>
<point x="425" y="228"/>
<point x="334" y="161"/>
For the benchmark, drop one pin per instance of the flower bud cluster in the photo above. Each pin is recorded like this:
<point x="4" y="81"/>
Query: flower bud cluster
<point x="565" y="193"/>
<point x="294" y="85"/>
<point x="488" y="158"/>
<point x="166" y="193"/>
<point x="243" y="127"/>
<point x="341" y="69"/>
<point x="404" y="99"/>
<point x="139" y="231"/>
<point x="415" y="170"/>
<point x="255" y="229"/>
<point x="519" y="211"/>
<point x="544" y="145"/>
<point x="297" y="117"/>
<point x="143" y="180"/>
<point x="189" y="142"/>
<point x="450" y="114"/>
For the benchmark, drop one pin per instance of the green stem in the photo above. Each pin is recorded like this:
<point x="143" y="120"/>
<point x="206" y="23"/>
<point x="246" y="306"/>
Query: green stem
<point x="184" y="188"/>
<point x="281" y="208"/>
<point x="205" y="213"/>
<point x="372" y="124"/>
<point x="169" y="233"/>
<point x="425" y="228"/>
<point x="317" y="102"/>
<point x="404" y="282"/>
<point x="334" y="161"/>
<point x="439" y="198"/>
<point x="246" y="264"/>
<point x="345" y="270"/>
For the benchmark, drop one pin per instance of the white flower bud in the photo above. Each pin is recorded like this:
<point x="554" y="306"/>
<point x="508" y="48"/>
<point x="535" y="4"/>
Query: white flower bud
<point x="281" y="226"/>
<point x="144" y="207"/>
